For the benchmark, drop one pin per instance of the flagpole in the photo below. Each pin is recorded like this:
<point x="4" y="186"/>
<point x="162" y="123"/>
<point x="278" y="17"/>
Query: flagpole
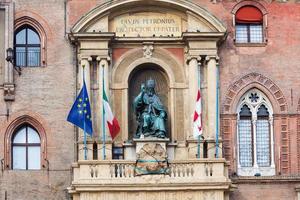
<point x="84" y="132"/>
<point x="217" y="113"/>
<point x="199" y="87"/>
<point x="103" y="114"/>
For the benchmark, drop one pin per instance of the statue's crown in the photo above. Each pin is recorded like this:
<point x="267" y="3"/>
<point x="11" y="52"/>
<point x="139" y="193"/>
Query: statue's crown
<point x="150" y="83"/>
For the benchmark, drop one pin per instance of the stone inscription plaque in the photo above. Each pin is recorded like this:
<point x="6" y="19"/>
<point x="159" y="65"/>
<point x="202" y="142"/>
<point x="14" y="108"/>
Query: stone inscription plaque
<point x="146" y="25"/>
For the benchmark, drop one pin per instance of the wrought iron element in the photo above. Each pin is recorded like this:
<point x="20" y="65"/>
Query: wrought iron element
<point x="10" y="58"/>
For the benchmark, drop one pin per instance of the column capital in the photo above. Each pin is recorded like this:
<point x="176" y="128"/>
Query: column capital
<point x="210" y="57"/>
<point x="86" y="58"/>
<point x="191" y="57"/>
<point x="103" y="58"/>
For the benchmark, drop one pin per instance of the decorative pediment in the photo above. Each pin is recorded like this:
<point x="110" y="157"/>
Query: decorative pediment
<point x="142" y="18"/>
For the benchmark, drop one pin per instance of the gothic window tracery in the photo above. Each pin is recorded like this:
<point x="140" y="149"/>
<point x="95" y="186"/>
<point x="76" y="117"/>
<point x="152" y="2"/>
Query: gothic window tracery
<point x="255" y="135"/>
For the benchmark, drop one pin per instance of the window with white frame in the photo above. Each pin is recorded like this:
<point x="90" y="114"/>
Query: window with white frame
<point x="26" y="149"/>
<point x="255" y="135"/>
<point x="249" y="25"/>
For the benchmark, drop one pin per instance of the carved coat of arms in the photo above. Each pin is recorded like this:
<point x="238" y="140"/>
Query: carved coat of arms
<point x="151" y="159"/>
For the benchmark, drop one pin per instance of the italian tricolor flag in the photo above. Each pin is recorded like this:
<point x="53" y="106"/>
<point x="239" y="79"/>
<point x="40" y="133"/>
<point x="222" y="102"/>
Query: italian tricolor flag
<point x="111" y="121"/>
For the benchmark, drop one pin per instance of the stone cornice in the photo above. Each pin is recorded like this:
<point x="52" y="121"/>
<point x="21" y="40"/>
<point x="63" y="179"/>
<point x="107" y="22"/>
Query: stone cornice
<point x="265" y="179"/>
<point x="190" y="184"/>
<point x="201" y="36"/>
<point x="103" y="36"/>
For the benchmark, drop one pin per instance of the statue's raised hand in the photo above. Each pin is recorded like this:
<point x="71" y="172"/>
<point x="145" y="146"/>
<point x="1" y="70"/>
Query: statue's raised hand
<point x="143" y="88"/>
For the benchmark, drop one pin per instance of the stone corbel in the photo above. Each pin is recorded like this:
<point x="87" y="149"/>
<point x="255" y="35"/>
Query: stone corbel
<point x="9" y="91"/>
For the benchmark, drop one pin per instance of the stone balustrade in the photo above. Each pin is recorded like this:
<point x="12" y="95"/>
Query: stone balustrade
<point x="112" y="170"/>
<point x="116" y="179"/>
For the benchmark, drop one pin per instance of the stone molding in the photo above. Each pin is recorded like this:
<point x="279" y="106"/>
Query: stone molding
<point x="40" y="25"/>
<point x="16" y="121"/>
<point x="249" y="3"/>
<point x="254" y="80"/>
<point x="264" y="179"/>
<point x="102" y="9"/>
<point x="121" y="70"/>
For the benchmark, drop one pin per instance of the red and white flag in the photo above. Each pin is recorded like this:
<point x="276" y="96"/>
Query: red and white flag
<point x="197" y="124"/>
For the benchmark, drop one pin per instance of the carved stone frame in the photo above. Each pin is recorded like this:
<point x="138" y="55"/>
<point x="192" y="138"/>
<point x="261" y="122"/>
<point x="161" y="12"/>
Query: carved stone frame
<point x="161" y="58"/>
<point x="10" y="130"/>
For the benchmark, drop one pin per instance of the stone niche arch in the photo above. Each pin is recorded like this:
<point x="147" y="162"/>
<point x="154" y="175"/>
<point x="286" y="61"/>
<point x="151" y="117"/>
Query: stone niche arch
<point x="140" y="75"/>
<point x="254" y="80"/>
<point x="133" y="58"/>
<point x="130" y="67"/>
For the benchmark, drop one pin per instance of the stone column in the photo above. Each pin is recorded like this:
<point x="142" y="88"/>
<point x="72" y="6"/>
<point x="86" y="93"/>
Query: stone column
<point x="193" y="72"/>
<point x="272" y="142"/>
<point x="85" y="61"/>
<point x="237" y="148"/>
<point x="103" y="64"/>
<point x="103" y="73"/>
<point x="211" y="94"/>
<point x="254" y="141"/>
<point x="211" y="104"/>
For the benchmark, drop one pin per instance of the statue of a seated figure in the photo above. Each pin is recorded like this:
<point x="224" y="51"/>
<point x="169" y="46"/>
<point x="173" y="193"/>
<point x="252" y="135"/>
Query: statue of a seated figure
<point x="150" y="112"/>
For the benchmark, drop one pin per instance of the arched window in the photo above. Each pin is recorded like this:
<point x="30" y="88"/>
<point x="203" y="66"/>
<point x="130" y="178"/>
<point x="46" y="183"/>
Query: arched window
<point x="250" y="22"/>
<point x="26" y="149"/>
<point x="255" y="135"/>
<point x="27" y="47"/>
<point x="249" y="25"/>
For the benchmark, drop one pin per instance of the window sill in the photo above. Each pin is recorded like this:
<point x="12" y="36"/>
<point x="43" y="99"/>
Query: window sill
<point x="263" y="44"/>
<point x="26" y="170"/>
<point x="25" y="67"/>
<point x="252" y="171"/>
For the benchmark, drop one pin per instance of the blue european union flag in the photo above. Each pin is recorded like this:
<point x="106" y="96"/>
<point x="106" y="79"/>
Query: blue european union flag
<point x="80" y="114"/>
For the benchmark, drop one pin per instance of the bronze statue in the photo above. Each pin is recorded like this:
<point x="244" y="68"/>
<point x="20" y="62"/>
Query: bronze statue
<point x="150" y="112"/>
